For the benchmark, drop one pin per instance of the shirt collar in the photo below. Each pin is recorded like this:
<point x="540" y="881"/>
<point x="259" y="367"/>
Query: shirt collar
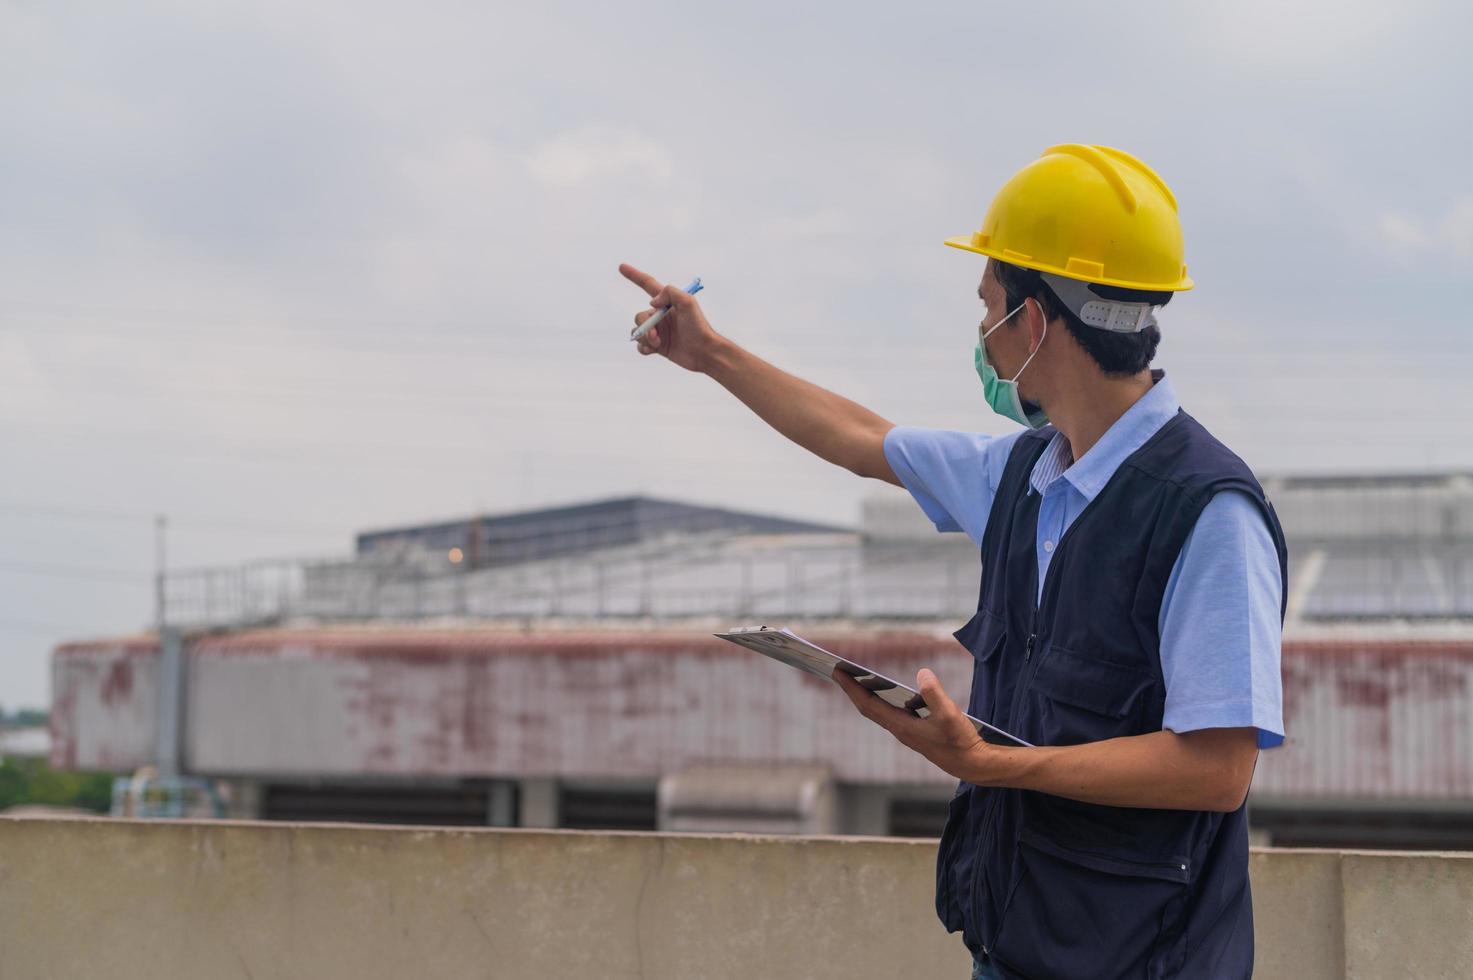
<point x="1093" y="470"/>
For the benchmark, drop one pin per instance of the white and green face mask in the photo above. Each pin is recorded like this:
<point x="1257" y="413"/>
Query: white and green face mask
<point x="1002" y="394"/>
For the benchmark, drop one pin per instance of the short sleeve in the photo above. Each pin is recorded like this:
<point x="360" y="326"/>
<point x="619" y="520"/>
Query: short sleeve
<point x="953" y="476"/>
<point x="1221" y="626"/>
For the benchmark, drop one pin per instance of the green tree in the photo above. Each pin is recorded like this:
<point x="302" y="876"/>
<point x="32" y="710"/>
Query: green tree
<point x="33" y="781"/>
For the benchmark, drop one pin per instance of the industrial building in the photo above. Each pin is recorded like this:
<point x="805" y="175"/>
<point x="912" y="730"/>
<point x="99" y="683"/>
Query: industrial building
<point x="484" y="541"/>
<point x="573" y="682"/>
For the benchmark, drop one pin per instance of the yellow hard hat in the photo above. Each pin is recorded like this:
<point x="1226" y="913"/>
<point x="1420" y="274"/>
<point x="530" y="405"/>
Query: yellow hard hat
<point x="1091" y="213"/>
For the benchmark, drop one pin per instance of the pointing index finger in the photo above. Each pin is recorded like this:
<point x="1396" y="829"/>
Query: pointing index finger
<point x="641" y="279"/>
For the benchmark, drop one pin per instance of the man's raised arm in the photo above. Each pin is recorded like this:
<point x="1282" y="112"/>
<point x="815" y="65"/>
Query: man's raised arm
<point x="828" y="425"/>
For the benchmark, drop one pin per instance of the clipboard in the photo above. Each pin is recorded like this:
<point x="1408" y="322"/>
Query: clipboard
<point x="788" y="647"/>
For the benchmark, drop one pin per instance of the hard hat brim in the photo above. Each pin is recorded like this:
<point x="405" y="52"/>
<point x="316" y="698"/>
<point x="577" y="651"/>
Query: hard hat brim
<point x="965" y="244"/>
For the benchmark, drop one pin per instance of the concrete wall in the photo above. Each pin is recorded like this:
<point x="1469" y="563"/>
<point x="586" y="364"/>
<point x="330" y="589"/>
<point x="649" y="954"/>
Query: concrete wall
<point x="168" y="900"/>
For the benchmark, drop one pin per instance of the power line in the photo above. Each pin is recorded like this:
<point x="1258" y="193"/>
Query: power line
<point x="455" y="400"/>
<point x="93" y="573"/>
<point x="138" y="517"/>
<point x="78" y="513"/>
<point x="876" y="353"/>
<point x="418" y="336"/>
<point x="29" y="626"/>
<point x="369" y="399"/>
<point x="379" y="454"/>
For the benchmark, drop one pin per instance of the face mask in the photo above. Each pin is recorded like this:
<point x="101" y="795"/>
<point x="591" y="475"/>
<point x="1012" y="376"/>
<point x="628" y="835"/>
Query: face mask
<point x="1001" y="394"/>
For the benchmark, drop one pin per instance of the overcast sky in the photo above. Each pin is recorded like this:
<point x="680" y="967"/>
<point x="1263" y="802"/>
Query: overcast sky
<point x="284" y="271"/>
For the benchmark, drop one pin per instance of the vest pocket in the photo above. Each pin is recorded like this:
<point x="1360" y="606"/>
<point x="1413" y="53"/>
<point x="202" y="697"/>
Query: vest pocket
<point x="1082" y="913"/>
<point x="983" y="636"/>
<point x="948" y="868"/>
<point x="1074" y="699"/>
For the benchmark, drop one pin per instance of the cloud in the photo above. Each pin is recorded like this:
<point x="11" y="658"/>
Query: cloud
<point x="1402" y="232"/>
<point x="1449" y="236"/>
<point x="596" y="153"/>
<point x="1303" y="33"/>
<point x="24" y="384"/>
<point x="251" y="254"/>
<point x="1457" y="227"/>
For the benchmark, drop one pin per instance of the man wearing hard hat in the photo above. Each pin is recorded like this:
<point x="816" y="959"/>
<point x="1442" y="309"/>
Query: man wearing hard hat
<point x="1133" y="581"/>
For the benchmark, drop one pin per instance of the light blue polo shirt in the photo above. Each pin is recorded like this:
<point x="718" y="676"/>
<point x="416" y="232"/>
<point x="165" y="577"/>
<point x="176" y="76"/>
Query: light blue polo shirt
<point x="1220" y="625"/>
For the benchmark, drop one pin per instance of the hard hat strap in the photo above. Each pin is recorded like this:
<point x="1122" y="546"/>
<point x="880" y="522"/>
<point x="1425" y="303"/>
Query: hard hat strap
<point x="1097" y="311"/>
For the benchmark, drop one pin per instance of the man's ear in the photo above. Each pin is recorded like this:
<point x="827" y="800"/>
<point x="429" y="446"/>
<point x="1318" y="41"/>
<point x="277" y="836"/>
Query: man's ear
<point x="1037" y="322"/>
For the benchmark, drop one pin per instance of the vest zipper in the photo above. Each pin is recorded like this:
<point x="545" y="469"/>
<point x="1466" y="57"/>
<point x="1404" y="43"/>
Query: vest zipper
<point x="1048" y="577"/>
<point x="977" y="871"/>
<point x="1023" y="682"/>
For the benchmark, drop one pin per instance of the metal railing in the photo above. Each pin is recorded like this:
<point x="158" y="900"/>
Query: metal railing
<point x="1361" y="548"/>
<point x="690" y="575"/>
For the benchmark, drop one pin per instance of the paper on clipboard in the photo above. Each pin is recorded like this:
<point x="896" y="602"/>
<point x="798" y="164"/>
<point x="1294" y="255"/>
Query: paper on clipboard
<point x="788" y="647"/>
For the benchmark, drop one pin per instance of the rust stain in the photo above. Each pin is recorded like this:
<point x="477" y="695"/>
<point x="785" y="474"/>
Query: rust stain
<point x="117" y="686"/>
<point x="380" y="705"/>
<point x="1365" y="716"/>
<point x="60" y="725"/>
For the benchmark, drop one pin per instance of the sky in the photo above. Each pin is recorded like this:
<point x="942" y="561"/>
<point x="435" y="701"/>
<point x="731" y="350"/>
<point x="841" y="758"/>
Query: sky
<point x="285" y="271"/>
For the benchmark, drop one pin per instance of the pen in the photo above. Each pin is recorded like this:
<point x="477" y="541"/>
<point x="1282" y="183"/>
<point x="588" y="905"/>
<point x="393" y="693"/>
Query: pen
<point x="644" y="328"/>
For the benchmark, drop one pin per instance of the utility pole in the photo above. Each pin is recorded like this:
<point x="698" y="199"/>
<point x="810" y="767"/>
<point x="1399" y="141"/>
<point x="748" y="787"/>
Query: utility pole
<point x="160" y="527"/>
<point x="170" y="720"/>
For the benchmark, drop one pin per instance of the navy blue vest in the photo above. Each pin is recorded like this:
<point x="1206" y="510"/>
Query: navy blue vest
<point x="1051" y="887"/>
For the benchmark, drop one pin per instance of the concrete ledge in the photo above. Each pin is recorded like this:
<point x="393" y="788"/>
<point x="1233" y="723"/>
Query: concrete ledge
<point x="163" y="899"/>
<point x="264" y="900"/>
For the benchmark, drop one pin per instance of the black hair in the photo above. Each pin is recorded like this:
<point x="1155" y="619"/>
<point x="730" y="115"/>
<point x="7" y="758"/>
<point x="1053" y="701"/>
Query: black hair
<point x="1117" y="354"/>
